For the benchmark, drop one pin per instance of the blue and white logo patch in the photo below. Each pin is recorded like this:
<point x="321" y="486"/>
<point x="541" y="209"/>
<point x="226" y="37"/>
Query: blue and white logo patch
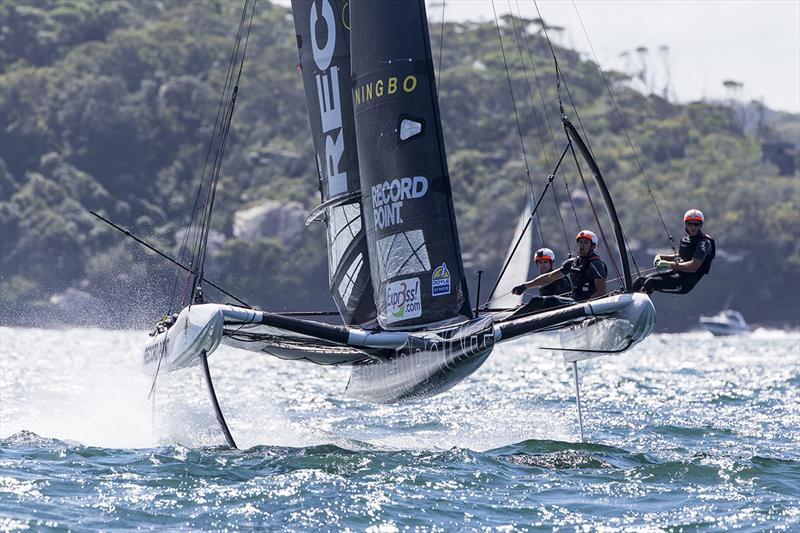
<point x="440" y="281"/>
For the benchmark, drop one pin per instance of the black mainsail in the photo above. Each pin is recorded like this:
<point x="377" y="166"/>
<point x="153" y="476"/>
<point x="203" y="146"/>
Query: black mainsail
<point x="415" y="259"/>
<point x="323" y="41"/>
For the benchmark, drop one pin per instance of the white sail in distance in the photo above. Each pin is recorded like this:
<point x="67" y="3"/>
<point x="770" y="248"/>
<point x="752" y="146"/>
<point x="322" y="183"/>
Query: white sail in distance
<point x="517" y="271"/>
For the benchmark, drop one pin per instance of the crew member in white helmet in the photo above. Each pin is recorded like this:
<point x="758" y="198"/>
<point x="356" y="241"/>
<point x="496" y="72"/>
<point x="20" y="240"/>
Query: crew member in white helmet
<point x="550" y="295"/>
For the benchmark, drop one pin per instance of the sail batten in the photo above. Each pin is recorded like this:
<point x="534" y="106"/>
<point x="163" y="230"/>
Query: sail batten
<point x="415" y="259"/>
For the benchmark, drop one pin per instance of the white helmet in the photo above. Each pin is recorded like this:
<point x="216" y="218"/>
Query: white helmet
<point x="693" y="215"/>
<point x="586" y="234"/>
<point x="544" y="254"/>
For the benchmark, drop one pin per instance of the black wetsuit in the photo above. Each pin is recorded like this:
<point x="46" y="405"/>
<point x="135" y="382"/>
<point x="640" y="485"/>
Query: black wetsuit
<point x="702" y="247"/>
<point x="560" y="287"/>
<point x="551" y="295"/>
<point x="582" y="273"/>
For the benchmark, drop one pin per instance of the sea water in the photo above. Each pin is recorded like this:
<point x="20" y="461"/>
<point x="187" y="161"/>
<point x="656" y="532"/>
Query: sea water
<point x="683" y="432"/>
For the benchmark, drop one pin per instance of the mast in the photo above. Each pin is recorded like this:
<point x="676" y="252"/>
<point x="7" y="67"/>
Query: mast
<point x="323" y="43"/>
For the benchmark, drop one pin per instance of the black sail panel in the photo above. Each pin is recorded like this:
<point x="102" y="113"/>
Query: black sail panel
<point x="323" y="42"/>
<point x="415" y="259"/>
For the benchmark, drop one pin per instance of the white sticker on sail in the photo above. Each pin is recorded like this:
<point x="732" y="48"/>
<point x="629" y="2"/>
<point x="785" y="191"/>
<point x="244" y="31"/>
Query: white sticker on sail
<point x="409" y="128"/>
<point x="403" y="300"/>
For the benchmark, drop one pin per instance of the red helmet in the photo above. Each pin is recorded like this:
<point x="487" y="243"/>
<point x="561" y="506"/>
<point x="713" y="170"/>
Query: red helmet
<point x="586" y="234"/>
<point x="544" y="254"/>
<point x="693" y="215"/>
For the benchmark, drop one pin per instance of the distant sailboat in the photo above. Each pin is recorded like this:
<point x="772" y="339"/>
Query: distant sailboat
<point x="518" y="258"/>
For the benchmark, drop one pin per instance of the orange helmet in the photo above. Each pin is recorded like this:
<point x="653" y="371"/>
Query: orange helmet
<point x="693" y="215"/>
<point x="586" y="234"/>
<point x="544" y="254"/>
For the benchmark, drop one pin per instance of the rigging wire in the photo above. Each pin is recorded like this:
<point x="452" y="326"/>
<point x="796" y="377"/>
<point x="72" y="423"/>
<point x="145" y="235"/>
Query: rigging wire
<point x="585" y="188"/>
<point x="218" y="126"/>
<point x="559" y="79"/>
<point x="558" y="94"/>
<point x="514" y="105"/>
<point x="533" y="106"/>
<point x="216" y="169"/>
<point x="553" y="138"/>
<point x="550" y="179"/>
<point x="195" y="224"/>
<point x="193" y="230"/>
<point x="555" y="59"/>
<point x="220" y="151"/>
<point x="625" y="129"/>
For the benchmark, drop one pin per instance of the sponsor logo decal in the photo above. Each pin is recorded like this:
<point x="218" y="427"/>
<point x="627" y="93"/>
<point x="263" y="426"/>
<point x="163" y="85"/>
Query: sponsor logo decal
<point x="376" y="89"/>
<point x="440" y="281"/>
<point x="387" y="199"/>
<point x="403" y="300"/>
<point x="328" y="96"/>
<point x="155" y="351"/>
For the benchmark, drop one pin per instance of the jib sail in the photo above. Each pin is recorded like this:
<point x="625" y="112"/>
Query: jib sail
<point x="323" y="41"/>
<point x="415" y="259"/>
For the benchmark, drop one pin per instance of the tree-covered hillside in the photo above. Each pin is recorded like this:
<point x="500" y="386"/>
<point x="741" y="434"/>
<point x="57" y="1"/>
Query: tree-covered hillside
<point x="109" y="105"/>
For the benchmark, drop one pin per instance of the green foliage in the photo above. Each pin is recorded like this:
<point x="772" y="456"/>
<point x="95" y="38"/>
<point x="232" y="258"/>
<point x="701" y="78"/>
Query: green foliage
<point x="109" y="105"/>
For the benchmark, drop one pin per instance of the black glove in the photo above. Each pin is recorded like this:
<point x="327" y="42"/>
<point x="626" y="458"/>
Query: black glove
<point x="519" y="289"/>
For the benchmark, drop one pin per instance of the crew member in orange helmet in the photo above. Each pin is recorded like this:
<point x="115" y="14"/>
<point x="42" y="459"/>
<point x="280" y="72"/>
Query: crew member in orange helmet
<point x="551" y="295"/>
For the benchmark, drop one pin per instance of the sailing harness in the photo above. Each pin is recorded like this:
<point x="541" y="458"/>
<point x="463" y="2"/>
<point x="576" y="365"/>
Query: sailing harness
<point x="556" y="288"/>
<point x="583" y="283"/>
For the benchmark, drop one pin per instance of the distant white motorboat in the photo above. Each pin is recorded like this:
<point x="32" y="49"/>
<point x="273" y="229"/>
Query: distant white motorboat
<point x="727" y="322"/>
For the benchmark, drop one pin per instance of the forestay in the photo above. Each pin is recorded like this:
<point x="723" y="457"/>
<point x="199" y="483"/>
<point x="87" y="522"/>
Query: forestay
<point x="323" y="41"/>
<point x="411" y="229"/>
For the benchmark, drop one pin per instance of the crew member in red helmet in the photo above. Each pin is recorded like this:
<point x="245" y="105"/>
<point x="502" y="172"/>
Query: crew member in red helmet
<point x="684" y="269"/>
<point x="587" y="273"/>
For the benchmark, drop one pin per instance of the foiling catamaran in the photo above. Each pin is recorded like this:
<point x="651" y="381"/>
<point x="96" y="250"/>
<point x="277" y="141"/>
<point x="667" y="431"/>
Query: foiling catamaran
<point x="395" y="267"/>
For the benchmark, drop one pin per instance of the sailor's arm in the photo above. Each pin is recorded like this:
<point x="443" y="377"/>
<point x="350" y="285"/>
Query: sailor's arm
<point x="687" y="267"/>
<point x="541" y="280"/>
<point x="598" y="271"/>
<point x="600" y="284"/>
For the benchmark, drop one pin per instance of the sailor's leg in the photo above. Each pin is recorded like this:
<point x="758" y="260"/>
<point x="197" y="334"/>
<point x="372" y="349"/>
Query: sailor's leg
<point x="549" y="302"/>
<point x="534" y="305"/>
<point x="666" y="282"/>
<point x="688" y="283"/>
<point x="646" y="283"/>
